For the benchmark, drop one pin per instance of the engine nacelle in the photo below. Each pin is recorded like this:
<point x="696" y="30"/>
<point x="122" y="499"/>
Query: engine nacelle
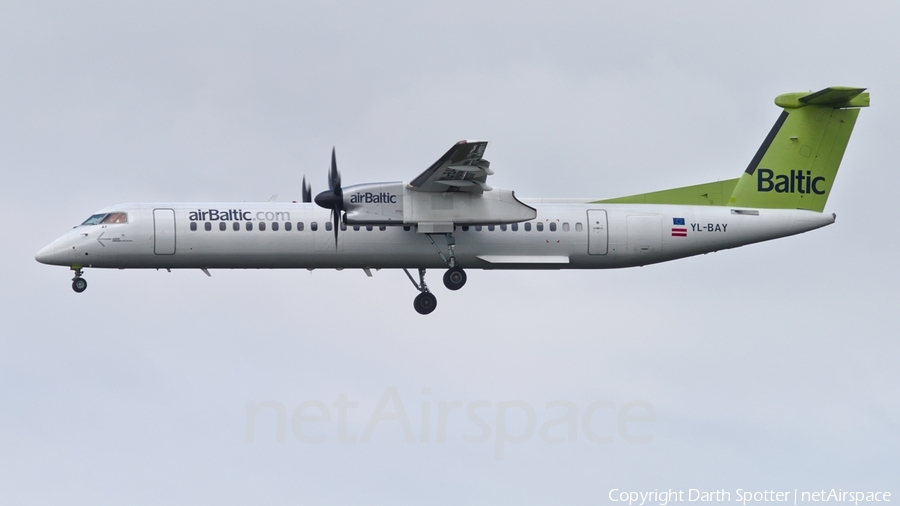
<point x="374" y="204"/>
<point x="398" y="204"/>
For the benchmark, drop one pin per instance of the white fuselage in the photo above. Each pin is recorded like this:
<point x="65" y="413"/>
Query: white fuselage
<point x="586" y="236"/>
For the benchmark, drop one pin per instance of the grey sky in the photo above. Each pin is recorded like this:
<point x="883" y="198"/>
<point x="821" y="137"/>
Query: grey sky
<point x="768" y="367"/>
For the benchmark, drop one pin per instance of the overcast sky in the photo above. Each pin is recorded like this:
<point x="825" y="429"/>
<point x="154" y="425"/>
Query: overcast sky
<point x="771" y="366"/>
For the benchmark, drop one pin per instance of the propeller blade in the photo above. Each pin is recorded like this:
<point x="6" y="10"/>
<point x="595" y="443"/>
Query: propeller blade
<point x="307" y="191"/>
<point x="334" y="176"/>
<point x="333" y="199"/>
<point x="335" y="226"/>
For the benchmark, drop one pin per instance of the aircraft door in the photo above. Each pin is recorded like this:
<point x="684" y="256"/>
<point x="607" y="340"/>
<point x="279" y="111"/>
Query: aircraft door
<point x="164" y="231"/>
<point x="598" y="235"/>
<point x="644" y="234"/>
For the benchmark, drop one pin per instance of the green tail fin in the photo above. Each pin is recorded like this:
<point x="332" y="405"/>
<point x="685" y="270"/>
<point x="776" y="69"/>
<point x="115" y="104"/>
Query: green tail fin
<point x="796" y="165"/>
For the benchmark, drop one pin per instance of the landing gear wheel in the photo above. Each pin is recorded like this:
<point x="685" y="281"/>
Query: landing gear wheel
<point x="455" y="278"/>
<point x="79" y="285"/>
<point x="425" y="303"/>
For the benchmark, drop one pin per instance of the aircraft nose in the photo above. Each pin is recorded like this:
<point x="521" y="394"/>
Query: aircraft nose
<point x="45" y="254"/>
<point x="53" y="253"/>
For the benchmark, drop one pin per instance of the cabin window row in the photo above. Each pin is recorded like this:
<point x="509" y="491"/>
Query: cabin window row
<point x="527" y="226"/>
<point x="314" y="226"/>
<point x="275" y="226"/>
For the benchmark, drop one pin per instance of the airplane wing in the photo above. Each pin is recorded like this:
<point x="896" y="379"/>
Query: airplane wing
<point x="462" y="169"/>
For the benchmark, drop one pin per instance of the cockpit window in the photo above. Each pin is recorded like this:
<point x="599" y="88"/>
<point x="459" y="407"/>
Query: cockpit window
<point x="106" y="219"/>
<point x="93" y="220"/>
<point x="114" y="218"/>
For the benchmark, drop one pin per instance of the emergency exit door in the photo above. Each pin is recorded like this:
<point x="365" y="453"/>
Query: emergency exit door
<point x="598" y="235"/>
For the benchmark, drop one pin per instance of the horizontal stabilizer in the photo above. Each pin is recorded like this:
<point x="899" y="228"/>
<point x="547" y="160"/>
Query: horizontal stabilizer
<point x="835" y="96"/>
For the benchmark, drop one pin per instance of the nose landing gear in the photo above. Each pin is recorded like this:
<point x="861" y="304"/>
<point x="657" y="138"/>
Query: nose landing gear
<point x="79" y="284"/>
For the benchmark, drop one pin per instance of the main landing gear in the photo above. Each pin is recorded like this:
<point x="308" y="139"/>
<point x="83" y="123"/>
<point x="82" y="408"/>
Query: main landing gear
<point x="425" y="302"/>
<point x="454" y="278"/>
<point x="79" y="284"/>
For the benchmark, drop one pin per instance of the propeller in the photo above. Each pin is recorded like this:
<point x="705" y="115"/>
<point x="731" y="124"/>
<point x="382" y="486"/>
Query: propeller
<point x="333" y="198"/>
<point x="307" y="191"/>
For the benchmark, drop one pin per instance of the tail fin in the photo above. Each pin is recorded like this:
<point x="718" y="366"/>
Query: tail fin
<point x="796" y="165"/>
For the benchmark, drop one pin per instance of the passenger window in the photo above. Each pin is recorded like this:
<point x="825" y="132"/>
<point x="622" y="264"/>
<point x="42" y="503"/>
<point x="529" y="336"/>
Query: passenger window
<point x="193" y="226"/>
<point x="566" y="226"/>
<point x="578" y="227"/>
<point x="369" y="228"/>
<point x="356" y="228"/>
<point x="262" y="226"/>
<point x="465" y="228"/>
<point x="514" y="227"/>
<point x="503" y="228"/>
<point x="528" y="226"/>
<point x="287" y="226"/>
<point x="406" y="228"/>
<point x="491" y="228"/>
<point x="343" y="227"/>
<point x="299" y="226"/>
<point x="328" y="226"/>
<point x="553" y="226"/>
<point x="207" y="226"/>
<point x="222" y="226"/>
<point x="274" y="226"/>
<point x="539" y="226"/>
<point x="478" y="228"/>
<point x="314" y="226"/>
<point x="249" y="225"/>
<point x="236" y="226"/>
<point x="382" y="228"/>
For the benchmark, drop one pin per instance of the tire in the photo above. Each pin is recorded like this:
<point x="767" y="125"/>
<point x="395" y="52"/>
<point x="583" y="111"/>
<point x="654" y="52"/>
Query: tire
<point x="425" y="303"/>
<point x="455" y="278"/>
<point x="79" y="285"/>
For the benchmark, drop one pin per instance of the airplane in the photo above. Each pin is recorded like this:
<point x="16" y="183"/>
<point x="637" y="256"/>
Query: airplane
<point x="448" y="217"/>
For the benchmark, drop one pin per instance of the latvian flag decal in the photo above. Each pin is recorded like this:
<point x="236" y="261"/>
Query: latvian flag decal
<point x="678" y="228"/>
